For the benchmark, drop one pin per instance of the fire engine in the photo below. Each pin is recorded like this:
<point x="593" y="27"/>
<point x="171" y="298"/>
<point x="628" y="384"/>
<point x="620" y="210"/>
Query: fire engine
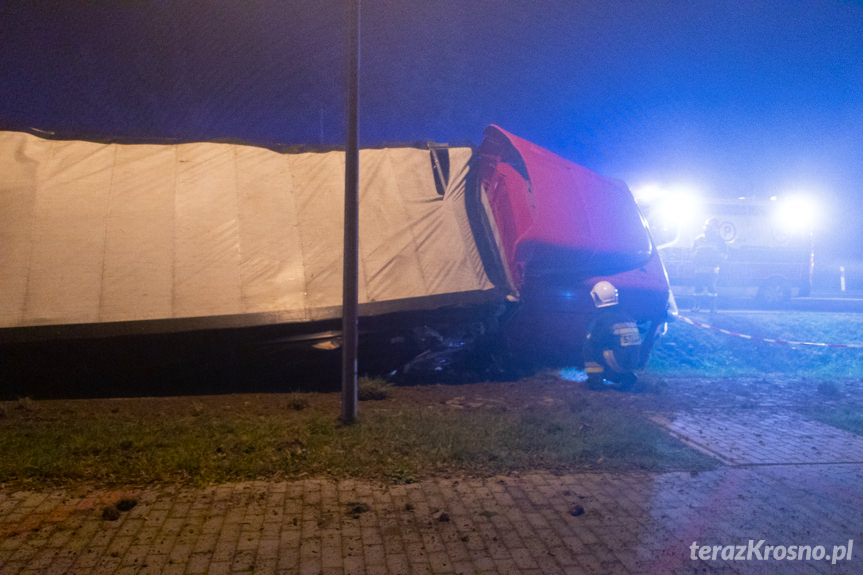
<point x="770" y="243"/>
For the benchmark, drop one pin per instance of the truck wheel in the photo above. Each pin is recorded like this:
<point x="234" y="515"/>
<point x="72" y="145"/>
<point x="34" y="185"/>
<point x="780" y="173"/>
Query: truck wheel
<point x="774" y="292"/>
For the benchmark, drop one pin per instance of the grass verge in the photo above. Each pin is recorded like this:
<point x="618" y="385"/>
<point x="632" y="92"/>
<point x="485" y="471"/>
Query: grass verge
<point x="692" y="350"/>
<point x="414" y="433"/>
<point x="846" y="417"/>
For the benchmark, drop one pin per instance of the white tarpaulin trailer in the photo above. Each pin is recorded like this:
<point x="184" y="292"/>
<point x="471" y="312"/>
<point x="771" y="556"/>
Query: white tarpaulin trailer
<point x="92" y="233"/>
<point x="201" y="257"/>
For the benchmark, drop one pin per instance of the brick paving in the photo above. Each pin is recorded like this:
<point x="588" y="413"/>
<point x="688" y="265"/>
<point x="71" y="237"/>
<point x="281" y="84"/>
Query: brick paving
<point x="773" y="486"/>
<point x="761" y="437"/>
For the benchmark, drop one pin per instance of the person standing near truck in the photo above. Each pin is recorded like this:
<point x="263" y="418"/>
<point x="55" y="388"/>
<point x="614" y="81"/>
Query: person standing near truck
<point x="709" y="250"/>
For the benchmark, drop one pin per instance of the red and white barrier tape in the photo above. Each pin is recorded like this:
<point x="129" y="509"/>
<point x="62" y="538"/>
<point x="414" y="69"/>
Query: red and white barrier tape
<point x="766" y="339"/>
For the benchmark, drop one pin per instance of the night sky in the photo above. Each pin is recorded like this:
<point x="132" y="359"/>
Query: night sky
<point x="727" y="97"/>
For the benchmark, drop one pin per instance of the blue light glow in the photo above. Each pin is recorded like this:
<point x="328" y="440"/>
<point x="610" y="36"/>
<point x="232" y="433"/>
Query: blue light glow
<point x="573" y="374"/>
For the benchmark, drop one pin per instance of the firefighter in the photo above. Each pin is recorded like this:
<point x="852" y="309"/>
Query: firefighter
<point x="709" y="250"/>
<point x="612" y="348"/>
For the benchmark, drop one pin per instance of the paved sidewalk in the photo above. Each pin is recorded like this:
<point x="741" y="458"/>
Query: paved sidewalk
<point x="786" y="480"/>
<point x="763" y="437"/>
<point x="536" y="523"/>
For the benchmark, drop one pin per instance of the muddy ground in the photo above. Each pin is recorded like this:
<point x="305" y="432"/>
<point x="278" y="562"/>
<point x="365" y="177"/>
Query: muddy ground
<point x="650" y="394"/>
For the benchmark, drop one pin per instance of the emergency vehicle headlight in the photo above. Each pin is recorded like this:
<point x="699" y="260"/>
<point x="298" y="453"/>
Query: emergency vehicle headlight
<point x="604" y="294"/>
<point x="795" y="214"/>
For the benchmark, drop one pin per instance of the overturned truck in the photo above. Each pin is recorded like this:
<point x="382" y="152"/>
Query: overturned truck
<point x="120" y="259"/>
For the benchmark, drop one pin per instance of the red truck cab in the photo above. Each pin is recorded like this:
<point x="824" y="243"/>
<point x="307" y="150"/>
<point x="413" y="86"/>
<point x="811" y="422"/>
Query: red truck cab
<point x="561" y="231"/>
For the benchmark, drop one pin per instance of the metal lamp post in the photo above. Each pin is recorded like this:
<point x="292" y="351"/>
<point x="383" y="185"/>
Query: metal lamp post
<point x="350" y="281"/>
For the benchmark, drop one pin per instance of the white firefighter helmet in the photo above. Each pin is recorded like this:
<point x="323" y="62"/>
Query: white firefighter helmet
<point x="604" y="294"/>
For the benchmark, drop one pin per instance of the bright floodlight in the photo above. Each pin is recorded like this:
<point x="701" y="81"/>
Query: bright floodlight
<point x="796" y="214"/>
<point x="647" y="194"/>
<point x="679" y="207"/>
